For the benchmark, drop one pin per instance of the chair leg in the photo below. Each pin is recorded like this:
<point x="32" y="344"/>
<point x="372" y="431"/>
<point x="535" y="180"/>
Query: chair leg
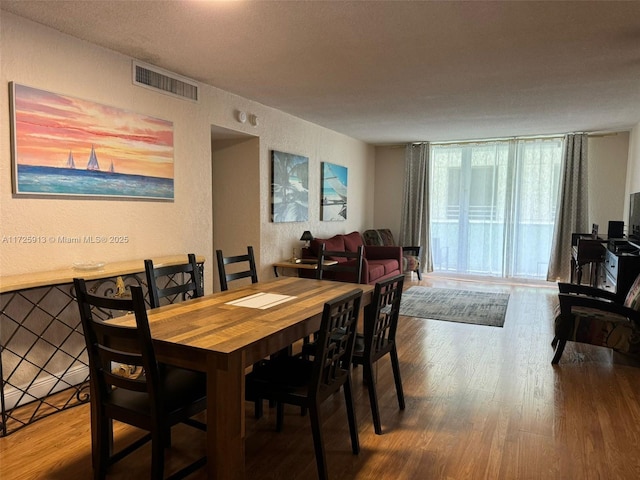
<point x="419" y="274"/>
<point x="373" y="397"/>
<point x="279" y="416"/>
<point x="318" y="445"/>
<point x="559" y="349"/>
<point x="101" y="448"/>
<point x="167" y="437"/>
<point x="258" y="408"/>
<point x="157" y="455"/>
<point x="395" y="365"/>
<point x="351" y="415"/>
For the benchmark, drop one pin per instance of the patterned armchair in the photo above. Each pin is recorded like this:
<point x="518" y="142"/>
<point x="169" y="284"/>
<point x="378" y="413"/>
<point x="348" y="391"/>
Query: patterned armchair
<point x="591" y="315"/>
<point x="384" y="238"/>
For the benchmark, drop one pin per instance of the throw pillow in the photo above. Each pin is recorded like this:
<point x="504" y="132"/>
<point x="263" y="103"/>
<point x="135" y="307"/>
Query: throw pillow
<point x="372" y="237"/>
<point x="352" y="241"/>
<point x="387" y="237"/>
<point x="335" y="243"/>
<point x="632" y="300"/>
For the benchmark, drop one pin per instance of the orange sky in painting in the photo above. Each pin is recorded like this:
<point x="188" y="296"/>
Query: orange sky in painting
<point x="49" y="126"/>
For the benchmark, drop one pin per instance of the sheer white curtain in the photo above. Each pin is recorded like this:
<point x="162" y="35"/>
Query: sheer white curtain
<point x="493" y="206"/>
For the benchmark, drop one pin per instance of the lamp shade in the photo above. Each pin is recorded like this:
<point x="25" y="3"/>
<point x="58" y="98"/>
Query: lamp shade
<point x="306" y="236"/>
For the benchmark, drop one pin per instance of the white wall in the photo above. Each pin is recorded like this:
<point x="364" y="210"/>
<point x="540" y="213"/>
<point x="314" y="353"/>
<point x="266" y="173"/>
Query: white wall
<point x="236" y="197"/>
<point x="389" y="188"/>
<point x="37" y="56"/>
<point x="633" y="166"/>
<point x="607" y="176"/>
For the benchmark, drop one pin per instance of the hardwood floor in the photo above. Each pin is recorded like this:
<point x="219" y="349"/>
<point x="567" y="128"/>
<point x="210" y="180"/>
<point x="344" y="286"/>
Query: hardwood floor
<point x="482" y="403"/>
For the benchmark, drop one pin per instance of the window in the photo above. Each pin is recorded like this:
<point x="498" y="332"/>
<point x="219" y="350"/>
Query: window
<point x="493" y="206"/>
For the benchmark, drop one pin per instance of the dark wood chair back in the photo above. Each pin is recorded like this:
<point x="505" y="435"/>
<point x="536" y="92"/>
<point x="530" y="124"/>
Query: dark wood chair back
<point x="109" y="345"/>
<point x="173" y="282"/>
<point x="348" y="266"/>
<point x="588" y="252"/>
<point x="335" y="344"/>
<point x="223" y="262"/>
<point x="381" y="317"/>
<point x="307" y="383"/>
<point x="145" y="394"/>
<point x="379" y="339"/>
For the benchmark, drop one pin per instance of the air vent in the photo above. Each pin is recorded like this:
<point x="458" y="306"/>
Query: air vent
<point x="155" y="78"/>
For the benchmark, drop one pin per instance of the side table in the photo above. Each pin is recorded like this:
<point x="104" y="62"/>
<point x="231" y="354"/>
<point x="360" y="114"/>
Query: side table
<point x="298" y="266"/>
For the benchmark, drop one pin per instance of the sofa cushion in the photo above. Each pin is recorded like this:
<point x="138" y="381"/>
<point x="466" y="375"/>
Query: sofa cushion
<point x="599" y="328"/>
<point x="335" y="243"/>
<point x="390" y="265"/>
<point x="410" y="263"/>
<point x="376" y="270"/>
<point x="352" y="241"/>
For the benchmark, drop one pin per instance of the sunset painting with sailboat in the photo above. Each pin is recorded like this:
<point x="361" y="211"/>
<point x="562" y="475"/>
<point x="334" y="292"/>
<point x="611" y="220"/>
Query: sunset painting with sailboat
<point x="68" y="146"/>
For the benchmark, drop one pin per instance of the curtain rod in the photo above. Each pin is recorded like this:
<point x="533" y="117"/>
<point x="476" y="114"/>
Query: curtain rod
<point x="503" y="139"/>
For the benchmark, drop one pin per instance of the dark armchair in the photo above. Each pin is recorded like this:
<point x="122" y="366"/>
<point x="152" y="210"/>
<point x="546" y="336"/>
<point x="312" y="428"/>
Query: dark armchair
<point x="591" y="315"/>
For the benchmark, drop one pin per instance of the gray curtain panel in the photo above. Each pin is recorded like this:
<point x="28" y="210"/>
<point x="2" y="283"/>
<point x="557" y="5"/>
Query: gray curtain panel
<point x="414" y="225"/>
<point x="573" y="207"/>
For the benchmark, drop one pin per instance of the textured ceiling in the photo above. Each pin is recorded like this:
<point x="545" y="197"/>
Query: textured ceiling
<point x="391" y="71"/>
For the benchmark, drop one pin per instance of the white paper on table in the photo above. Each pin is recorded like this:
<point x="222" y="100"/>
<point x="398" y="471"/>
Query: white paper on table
<point x="261" y="300"/>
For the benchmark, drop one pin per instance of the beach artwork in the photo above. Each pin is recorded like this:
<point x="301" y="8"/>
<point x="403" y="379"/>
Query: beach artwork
<point x="289" y="187"/>
<point x="334" y="193"/>
<point x="67" y="146"/>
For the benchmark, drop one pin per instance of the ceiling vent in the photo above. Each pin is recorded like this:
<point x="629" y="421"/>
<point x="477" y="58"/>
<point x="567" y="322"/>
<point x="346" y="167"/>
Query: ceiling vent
<point x="157" y="79"/>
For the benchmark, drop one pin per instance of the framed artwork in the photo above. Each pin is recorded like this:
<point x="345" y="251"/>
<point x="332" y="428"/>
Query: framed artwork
<point x="334" y="192"/>
<point x="63" y="145"/>
<point x="289" y="187"/>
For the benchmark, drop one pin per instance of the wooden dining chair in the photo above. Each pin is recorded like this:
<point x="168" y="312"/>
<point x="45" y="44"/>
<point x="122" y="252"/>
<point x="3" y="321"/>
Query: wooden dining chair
<point x="307" y="383"/>
<point x="379" y="339"/>
<point x="178" y="281"/>
<point x="348" y="266"/>
<point x="249" y="272"/>
<point x="155" y="400"/>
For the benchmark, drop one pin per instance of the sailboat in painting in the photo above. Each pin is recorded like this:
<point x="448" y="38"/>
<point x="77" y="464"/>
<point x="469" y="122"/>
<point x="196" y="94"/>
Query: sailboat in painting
<point x="70" y="163"/>
<point x="111" y="169"/>
<point x="93" y="160"/>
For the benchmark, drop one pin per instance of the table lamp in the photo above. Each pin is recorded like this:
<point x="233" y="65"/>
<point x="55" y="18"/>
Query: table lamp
<point x="306" y="237"/>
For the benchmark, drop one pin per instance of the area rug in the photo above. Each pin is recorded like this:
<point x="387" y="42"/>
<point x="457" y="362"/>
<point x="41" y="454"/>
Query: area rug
<point x="464" y="306"/>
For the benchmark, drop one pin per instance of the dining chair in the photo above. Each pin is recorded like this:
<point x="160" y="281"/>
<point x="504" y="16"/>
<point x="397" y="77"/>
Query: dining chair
<point x="251" y="272"/>
<point x="597" y="317"/>
<point x="379" y="339"/>
<point x="347" y="266"/>
<point x="587" y="251"/>
<point x="307" y="383"/>
<point x="154" y="400"/>
<point x="179" y="281"/>
<point x="226" y="277"/>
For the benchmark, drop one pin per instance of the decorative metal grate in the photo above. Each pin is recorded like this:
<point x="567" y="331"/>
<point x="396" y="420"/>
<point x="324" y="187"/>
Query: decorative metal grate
<point x="43" y="359"/>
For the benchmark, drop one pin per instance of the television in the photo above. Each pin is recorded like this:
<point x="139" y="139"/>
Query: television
<point x="634" y="217"/>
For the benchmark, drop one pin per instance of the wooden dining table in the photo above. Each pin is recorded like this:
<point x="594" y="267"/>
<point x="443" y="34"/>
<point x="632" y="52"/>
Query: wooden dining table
<point x="224" y="333"/>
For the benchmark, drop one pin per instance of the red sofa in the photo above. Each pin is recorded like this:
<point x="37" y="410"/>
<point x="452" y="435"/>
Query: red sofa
<point x="378" y="262"/>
